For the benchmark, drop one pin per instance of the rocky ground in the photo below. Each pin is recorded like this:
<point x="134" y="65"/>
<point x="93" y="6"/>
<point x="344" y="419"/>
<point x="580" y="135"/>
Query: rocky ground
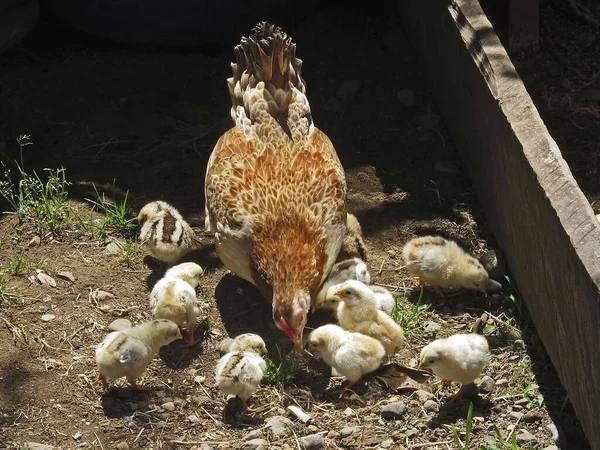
<point x="143" y="123"/>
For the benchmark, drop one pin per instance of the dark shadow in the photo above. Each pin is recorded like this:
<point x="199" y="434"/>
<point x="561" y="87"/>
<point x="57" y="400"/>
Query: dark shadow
<point x="180" y="355"/>
<point x="235" y="416"/>
<point x="117" y="401"/>
<point x="14" y="378"/>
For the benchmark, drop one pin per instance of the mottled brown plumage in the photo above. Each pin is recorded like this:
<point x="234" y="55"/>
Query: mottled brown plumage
<point x="275" y="188"/>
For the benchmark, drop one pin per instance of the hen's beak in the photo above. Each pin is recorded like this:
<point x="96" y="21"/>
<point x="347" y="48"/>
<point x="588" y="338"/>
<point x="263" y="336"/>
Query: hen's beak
<point x="297" y="340"/>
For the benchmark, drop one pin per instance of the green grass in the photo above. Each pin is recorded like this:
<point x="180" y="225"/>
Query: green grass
<point x="5" y="292"/>
<point x="20" y="265"/>
<point x="118" y="216"/>
<point x="283" y="369"/>
<point x="407" y="315"/>
<point x="131" y="252"/>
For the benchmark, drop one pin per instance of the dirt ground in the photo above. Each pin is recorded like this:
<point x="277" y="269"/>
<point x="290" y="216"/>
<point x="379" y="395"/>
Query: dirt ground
<point x="144" y="121"/>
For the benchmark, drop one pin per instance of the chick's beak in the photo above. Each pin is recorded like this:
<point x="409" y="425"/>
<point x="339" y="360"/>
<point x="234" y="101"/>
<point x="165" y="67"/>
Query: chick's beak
<point x="422" y="365"/>
<point x="339" y="293"/>
<point x="179" y="336"/>
<point x="263" y="351"/>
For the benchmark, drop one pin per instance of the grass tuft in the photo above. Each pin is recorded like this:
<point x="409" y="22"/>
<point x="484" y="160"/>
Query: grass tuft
<point x="408" y="316"/>
<point x="283" y="369"/>
<point x="119" y="217"/>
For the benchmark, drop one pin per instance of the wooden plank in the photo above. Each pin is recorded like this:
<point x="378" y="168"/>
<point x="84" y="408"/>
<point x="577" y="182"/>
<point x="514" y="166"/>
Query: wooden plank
<point x="539" y="216"/>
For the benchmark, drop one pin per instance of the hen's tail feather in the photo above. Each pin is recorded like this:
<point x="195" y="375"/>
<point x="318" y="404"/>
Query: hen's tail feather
<point x="267" y="78"/>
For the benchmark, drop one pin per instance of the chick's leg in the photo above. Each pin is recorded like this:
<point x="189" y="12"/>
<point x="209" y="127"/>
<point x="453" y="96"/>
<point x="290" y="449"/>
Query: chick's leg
<point x="247" y="408"/>
<point x="135" y="386"/>
<point x="459" y="395"/>
<point x="346" y="388"/>
<point x="105" y="384"/>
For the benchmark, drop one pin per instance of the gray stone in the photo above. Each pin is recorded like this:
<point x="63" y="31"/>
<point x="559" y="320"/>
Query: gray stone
<point x="387" y="443"/>
<point x="393" y="411"/>
<point x="333" y="434"/>
<point x="37" y="446"/>
<point x="502" y="382"/>
<point x="66" y="275"/>
<point x="431" y="327"/>
<point x="34" y="242"/>
<point x="48" y="317"/>
<point x="515" y="415"/>
<point x="280" y="426"/>
<point x="119" y="325"/>
<point x="347" y="431"/>
<point x="431" y="406"/>
<point x="493" y="261"/>
<point x="113" y="248"/>
<point x="311" y="442"/>
<point x="168" y="406"/>
<point x="255" y="444"/>
<point x="525" y="436"/>
<point x="532" y="416"/>
<point x="406" y="97"/>
<point x="193" y="418"/>
<point x="348" y="89"/>
<point x="122" y="446"/>
<point x="423" y="396"/>
<point x="487" y="385"/>
<point x="254" y="434"/>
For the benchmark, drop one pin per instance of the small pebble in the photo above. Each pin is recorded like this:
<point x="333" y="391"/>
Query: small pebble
<point x="502" y="382"/>
<point x="487" y="385"/>
<point x="347" y="431"/>
<point x="168" y="406"/>
<point x="34" y="242"/>
<point x="280" y="426"/>
<point x="193" y="418"/>
<point x="522" y="401"/>
<point x="406" y="97"/>
<point x="122" y="446"/>
<point x="387" y="443"/>
<point x="77" y="436"/>
<point x="199" y="379"/>
<point x="525" y="436"/>
<point x="333" y="434"/>
<point x="431" y="327"/>
<point x="66" y="275"/>
<point x="393" y="411"/>
<point x="348" y="89"/>
<point x="255" y="444"/>
<point x="312" y="428"/>
<point x="254" y="434"/>
<point x="48" y="317"/>
<point x="311" y="442"/>
<point x="348" y="412"/>
<point x="119" y="325"/>
<point x="531" y="416"/>
<point x="431" y="406"/>
<point x="423" y="396"/>
<point x="515" y="415"/>
<point x="113" y="248"/>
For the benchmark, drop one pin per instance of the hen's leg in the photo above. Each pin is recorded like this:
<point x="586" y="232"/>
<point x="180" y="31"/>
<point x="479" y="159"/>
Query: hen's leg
<point x="191" y="326"/>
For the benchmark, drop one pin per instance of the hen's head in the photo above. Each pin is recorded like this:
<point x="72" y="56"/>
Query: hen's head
<point x="290" y="316"/>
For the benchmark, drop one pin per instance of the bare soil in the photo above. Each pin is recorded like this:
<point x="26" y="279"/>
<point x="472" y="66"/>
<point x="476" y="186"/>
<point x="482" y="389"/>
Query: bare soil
<point x="144" y="121"/>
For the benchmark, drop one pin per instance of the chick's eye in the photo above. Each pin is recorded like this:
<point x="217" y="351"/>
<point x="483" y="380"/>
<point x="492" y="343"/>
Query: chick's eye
<point x="431" y="361"/>
<point x="347" y="292"/>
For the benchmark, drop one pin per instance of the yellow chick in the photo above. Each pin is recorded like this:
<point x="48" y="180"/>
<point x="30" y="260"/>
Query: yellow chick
<point x="441" y="263"/>
<point x="358" y="312"/>
<point x="350" y="269"/>
<point x="353" y="244"/>
<point x="352" y="355"/>
<point x="174" y="296"/>
<point x="168" y="236"/>
<point x="460" y="358"/>
<point x="127" y="353"/>
<point x="240" y="371"/>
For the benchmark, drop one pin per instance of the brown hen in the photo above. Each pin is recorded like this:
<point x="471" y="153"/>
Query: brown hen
<point x="275" y="188"/>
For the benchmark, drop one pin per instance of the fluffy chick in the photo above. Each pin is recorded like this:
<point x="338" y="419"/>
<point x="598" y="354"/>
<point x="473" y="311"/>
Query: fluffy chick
<point x="353" y="244"/>
<point x="358" y="312"/>
<point x="384" y="299"/>
<point x="127" y="353"/>
<point x="441" y="263"/>
<point x="349" y="269"/>
<point x="168" y="235"/>
<point x="240" y="371"/>
<point x="460" y="358"/>
<point x="174" y="296"/>
<point x="350" y="354"/>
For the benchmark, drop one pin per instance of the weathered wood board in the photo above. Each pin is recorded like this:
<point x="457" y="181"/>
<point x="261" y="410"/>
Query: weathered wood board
<point x="539" y="216"/>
